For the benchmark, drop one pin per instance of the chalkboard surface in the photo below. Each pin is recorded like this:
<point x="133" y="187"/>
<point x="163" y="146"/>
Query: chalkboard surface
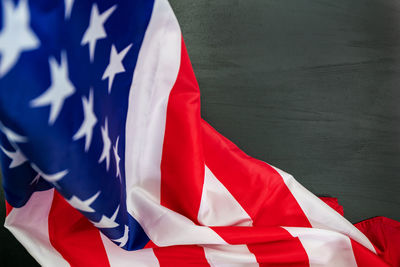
<point x="312" y="87"/>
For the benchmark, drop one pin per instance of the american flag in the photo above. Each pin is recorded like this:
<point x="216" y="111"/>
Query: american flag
<point x="107" y="162"/>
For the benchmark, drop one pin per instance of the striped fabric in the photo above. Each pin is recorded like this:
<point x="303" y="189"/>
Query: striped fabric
<point x="193" y="196"/>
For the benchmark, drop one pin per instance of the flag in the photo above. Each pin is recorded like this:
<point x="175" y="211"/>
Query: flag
<point x="107" y="162"/>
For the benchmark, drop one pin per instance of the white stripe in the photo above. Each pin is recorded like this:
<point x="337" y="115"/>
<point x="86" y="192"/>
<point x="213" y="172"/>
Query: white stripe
<point x="166" y="227"/>
<point x="218" y="207"/>
<point x="325" y="248"/>
<point x="119" y="257"/>
<point x="230" y="256"/>
<point x="320" y="215"/>
<point x="155" y="74"/>
<point x="29" y="224"/>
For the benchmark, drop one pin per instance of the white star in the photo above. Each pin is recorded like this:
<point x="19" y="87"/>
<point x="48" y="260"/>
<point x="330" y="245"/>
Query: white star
<point x="122" y="241"/>
<point x="52" y="178"/>
<point x="11" y="135"/>
<point x="17" y="158"/>
<point x="106" y="222"/>
<point x="96" y="31"/>
<point x="68" y="8"/>
<point x="117" y="158"/>
<point x="61" y="88"/>
<point x="36" y="179"/>
<point x="16" y="35"/>
<point x="83" y="205"/>
<point x="115" y="66"/>
<point x="105" y="155"/>
<point x="88" y="123"/>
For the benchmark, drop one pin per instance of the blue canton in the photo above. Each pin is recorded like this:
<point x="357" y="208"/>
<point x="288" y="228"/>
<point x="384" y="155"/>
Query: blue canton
<point x="66" y="68"/>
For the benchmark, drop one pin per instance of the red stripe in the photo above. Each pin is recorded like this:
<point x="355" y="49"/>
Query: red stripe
<point x="8" y="208"/>
<point x="182" y="164"/>
<point x="150" y="244"/>
<point x="261" y="191"/>
<point x="181" y="256"/>
<point x="269" y="203"/>
<point x="364" y="257"/>
<point x="74" y="237"/>
<point x="258" y="188"/>
<point x="272" y="246"/>
<point x="384" y="233"/>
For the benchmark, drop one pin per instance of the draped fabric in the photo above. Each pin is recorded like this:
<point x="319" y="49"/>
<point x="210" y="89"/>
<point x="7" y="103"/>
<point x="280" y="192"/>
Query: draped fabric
<point x="107" y="162"/>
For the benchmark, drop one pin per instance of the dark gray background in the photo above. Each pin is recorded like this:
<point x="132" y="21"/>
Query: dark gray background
<point x="312" y="87"/>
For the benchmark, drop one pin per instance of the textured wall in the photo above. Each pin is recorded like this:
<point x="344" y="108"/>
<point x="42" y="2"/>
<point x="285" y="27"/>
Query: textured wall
<point x="312" y="87"/>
